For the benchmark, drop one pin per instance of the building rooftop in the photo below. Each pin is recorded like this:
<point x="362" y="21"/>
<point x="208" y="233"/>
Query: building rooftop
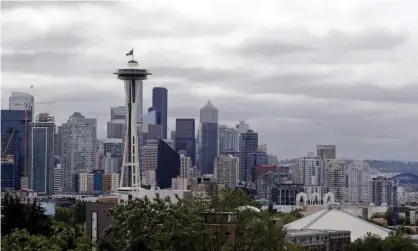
<point x="334" y="218"/>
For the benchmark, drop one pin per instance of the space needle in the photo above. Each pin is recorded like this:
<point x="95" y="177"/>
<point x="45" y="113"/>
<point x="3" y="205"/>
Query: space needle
<point x="133" y="77"/>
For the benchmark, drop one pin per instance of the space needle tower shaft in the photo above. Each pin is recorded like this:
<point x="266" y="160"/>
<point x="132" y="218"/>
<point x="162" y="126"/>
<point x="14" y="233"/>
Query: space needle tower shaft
<point x="133" y="77"/>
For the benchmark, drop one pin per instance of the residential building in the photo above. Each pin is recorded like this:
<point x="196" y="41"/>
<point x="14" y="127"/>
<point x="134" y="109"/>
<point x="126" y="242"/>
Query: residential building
<point x="265" y="183"/>
<point x="226" y="170"/>
<point x="149" y="162"/>
<point x="179" y="184"/>
<point x="41" y="154"/>
<point x="208" y="137"/>
<point x="185" y="138"/>
<point x="15" y="147"/>
<point x="326" y="151"/>
<point x="173" y="138"/>
<point x="110" y="182"/>
<point x="359" y="182"/>
<point x="98" y="181"/>
<point x="79" y="148"/>
<point x="83" y="183"/>
<point x="248" y="144"/>
<point x="285" y="194"/>
<point x="185" y="165"/>
<point x="159" y="103"/>
<point x="336" y="178"/>
<point x="312" y="171"/>
<point x="381" y="190"/>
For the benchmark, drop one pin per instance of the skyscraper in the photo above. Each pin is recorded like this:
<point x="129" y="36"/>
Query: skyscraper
<point x="113" y="152"/>
<point x="22" y="101"/>
<point x="41" y="154"/>
<point x="208" y="138"/>
<point x="168" y="165"/>
<point x="226" y="170"/>
<point x="14" y="147"/>
<point x="326" y="151"/>
<point x="312" y="171"/>
<point x="253" y="160"/>
<point x="248" y="144"/>
<point x="185" y="138"/>
<point x="79" y="147"/>
<point x="228" y="140"/>
<point x="159" y="103"/>
<point x="116" y="125"/>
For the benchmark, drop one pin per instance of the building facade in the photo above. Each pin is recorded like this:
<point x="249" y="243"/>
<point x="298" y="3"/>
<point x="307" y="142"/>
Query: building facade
<point x="159" y="103"/>
<point x="113" y="152"/>
<point x="359" y="182"/>
<point x="312" y="170"/>
<point x="253" y="160"/>
<point x="208" y="138"/>
<point x="336" y="178"/>
<point x="185" y="138"/>
<point x="79" y="148"/>
<point x="168" y="166"/>
<point x="116" y="125"/>
<point x="285" y="194"/>
<point x="248" y="144"/>
<point x="226" y="170"/>
<point x="15" y="147"/>
<point x="41" y="154"/>
<point x="326" y="151"/>
<point x="185" y="165"/>
<point x="382" y="191"/>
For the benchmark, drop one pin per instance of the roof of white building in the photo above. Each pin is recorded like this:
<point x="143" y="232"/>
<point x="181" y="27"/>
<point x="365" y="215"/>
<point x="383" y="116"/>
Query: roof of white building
<point x="333" y="218"/>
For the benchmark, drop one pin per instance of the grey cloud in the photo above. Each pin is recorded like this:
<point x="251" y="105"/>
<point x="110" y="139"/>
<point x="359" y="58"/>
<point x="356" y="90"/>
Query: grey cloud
<point x="323" y="86"/>
<point x="271" y="48"/>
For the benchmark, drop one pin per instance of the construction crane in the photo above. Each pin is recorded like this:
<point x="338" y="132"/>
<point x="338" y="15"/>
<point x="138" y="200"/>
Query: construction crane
<point x="395" y="205"/>
<point x="3" y="155"/>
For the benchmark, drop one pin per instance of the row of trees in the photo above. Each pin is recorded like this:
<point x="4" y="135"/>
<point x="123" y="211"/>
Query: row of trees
<point x="225" y="222"/>
<point x="27" y="227"/>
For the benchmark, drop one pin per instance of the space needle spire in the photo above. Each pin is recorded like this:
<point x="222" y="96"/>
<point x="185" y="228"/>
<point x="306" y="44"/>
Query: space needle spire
<point x="132" y="77"/>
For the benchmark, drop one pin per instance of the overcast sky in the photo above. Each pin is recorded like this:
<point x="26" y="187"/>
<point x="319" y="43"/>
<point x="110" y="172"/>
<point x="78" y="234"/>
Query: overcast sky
<point x="301" y="73"/>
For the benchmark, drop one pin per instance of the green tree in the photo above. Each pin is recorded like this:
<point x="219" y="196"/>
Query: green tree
<point x="21" y="239"/>
<point x="13" y="214"/>
<point x="220" y="223"/>
<point x="79" y="212"/>
<point x="395" y="242"/>
<point x="38" y="222"/>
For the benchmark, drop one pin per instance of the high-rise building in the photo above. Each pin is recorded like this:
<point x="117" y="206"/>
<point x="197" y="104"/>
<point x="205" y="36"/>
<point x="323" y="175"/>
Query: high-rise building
<point x="253" y="160"/>
<point x="110" y="182"/>
<point x="336" y="178"/>
<point x="57" y="141"/>
<point x="272" y="159"/>
<point x="14" y="146"/>
<point x="242" y="127"/>
<point x="226" y="170"/>
<point x="312" y="170"/>
<point x="149" y="162"/>
<point x="41" y="154"/>
<point x="228" y="140"/>
<point x="326" y="151"/>
<point x="116" y="125"/>
<point x="248" y="144"/>
<point x="265" y="183"/>
<point x="79" y="147"/>
<point x="185" y="165"/>
<point x="149" y="119"/>
<point x="185" y="138"/>
<point x="168" y="164"/>
<point x="113" y="152"/>
<point x="57" y="179"/>
<point x="208" y="137"/>
<point x="262" y="148"/>
<point x="159" y="103"/>
<point x="359" y="182"/>
<point x="382" y="190"/>
<point x="22" y="101"/>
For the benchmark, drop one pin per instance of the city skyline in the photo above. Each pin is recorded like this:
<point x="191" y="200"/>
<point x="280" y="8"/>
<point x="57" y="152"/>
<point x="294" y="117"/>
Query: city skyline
<point x="335" y="91"/>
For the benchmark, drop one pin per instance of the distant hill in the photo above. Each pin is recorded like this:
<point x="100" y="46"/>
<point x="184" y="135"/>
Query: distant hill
<point x="385" y="166"/>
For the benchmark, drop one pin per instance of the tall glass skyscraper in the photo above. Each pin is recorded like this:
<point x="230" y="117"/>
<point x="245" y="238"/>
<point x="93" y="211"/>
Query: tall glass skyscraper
<point x="248" y="144"/>
<point x="41" y="154"/>
<point x="185" y="138"/>
<point x="13" y="146"/>
<point x="159" y="103"/>
<point x="208" y="138"/>
<point x="168" y="165"/>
